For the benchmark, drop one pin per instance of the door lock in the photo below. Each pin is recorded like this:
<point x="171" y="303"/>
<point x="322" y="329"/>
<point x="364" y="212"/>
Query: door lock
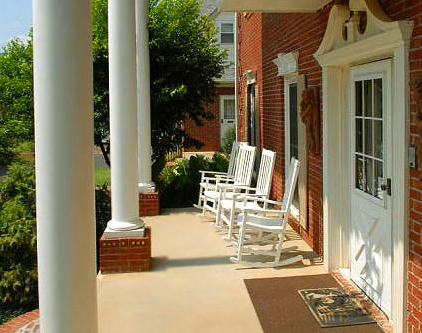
<point x="387" y="187"/>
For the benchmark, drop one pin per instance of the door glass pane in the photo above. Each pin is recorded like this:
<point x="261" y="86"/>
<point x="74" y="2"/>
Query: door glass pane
<point x="369" y="149"/>
<point x="360" y="177"/>
<point x="229" y="112"/>
<point x="369" y="173"/>
<point x="358" y="92"/>
<point x="368" y="137"/>
<point x="368" y="97"/>
<point x="378" y="139"/>
<point x="378" y="98"/>
<point x="379" y="179"/>
<point x="359" y="135"/>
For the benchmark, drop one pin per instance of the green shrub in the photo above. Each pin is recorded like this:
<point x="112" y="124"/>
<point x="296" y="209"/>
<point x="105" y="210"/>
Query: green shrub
<point x="102" y="213"/>
<point x="18" y="245"/>
<point x="179" y="184"/>
<point x="228" y="138"/>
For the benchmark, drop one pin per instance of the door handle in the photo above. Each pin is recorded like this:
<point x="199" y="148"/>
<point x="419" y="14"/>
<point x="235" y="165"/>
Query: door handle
<point x="387" y="186"/>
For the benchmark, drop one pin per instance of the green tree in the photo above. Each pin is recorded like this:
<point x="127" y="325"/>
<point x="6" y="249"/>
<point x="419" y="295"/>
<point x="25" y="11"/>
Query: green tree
<point x="185" y="60"/>
<point x="16" y="97"/>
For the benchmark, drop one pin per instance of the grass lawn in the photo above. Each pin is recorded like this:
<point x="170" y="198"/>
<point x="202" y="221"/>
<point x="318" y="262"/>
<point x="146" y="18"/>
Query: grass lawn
<point x="102" y="176"/>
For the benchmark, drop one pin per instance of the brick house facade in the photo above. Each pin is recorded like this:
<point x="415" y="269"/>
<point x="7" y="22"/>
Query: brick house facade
<point x="209" y="133"/>
<point x="262" y="37"/>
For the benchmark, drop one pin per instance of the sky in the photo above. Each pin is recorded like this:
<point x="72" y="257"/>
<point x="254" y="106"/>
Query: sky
<point x="15" y="19"/>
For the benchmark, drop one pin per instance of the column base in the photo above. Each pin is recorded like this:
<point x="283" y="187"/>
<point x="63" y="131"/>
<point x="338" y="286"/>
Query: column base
<point x="125" y="225"/>
<point x="146" y="187"/>
<point x="149" y="203"/>
<point x="126" y="253"/>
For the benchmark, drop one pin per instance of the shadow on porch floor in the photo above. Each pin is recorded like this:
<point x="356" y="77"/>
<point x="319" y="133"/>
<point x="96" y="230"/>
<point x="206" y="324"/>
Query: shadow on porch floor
<point x="193" y="287"/>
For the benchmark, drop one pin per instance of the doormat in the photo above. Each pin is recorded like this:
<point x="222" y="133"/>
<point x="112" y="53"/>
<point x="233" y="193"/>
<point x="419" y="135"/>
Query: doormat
<point x="333" y="307"/>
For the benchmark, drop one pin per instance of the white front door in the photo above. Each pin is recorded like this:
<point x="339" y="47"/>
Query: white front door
<point x="371" y="164"/>
<point x="227" y="114"/>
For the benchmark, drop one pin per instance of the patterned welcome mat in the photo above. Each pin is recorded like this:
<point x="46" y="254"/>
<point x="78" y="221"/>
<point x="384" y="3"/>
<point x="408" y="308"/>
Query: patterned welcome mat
<point x="334" y="307"/>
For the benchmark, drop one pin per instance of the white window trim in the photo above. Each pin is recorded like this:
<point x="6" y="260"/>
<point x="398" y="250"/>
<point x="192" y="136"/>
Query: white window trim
<point x="300" y="213"/>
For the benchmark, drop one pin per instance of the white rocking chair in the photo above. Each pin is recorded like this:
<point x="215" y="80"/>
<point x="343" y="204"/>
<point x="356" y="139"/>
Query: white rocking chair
<point x="243" y="176"/>
<point x="210" y="178"/>
<point x="228" y="208"/>
<point x="252" y="220"/>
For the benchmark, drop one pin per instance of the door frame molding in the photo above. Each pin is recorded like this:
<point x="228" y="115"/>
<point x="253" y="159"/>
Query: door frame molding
<point x="338" y="51"/>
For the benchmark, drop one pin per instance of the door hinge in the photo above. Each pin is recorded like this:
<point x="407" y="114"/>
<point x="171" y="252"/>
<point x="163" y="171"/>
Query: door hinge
<point x="387" y="186"/>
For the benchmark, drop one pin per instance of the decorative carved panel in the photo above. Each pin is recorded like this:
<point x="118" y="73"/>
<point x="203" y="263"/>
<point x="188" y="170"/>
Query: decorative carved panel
<point x="310" y="115"/>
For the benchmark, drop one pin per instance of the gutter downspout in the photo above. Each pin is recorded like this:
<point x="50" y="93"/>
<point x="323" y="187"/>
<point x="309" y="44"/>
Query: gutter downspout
<point x="236" y="69"/>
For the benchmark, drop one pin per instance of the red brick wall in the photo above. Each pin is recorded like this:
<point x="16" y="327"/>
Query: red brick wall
<point x="250" y="58"/>
<point x="402" y="10"/>
<point x="262" y="37"/>
<point x="209" y="133"/>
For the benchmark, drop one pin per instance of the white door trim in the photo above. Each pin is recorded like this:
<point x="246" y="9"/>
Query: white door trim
<point x="336" y="55"/>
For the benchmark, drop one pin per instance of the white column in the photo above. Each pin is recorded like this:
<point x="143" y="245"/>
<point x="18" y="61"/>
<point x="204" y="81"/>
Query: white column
<point x="144" y="97"/>
<point x="123" y="117"/>
<point x="64" y="132"/>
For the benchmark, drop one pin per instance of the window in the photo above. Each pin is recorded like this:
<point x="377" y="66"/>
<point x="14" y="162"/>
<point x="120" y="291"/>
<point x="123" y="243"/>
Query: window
<point x="227" y="33"/>
<point x="292" y="123"/>
<point x="295" y="144"/>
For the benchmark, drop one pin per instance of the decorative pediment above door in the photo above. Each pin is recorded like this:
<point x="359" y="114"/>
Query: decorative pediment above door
<point x="360" y="26"/>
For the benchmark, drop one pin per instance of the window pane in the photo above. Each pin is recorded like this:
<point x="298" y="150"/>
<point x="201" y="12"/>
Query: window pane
<point x="358" y="87"/>
<point x="293" y="126"/>
<point x="378" y="98"/>
<point x="226" y="27"/>
<point x="368" y="98"/>
<point x="359" y="135"/>
<point x="227" y="38"/>
<point x="368" y="137"/>
<point x="229" y="109"/>
<point x="378" y="139"/>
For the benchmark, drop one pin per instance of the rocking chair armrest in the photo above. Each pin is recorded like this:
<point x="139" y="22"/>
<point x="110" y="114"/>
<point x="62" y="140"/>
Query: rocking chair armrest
<point x="231" y="186"/>
<point x="215" y="173"/>
<point x="259" y="197"/>
<point x="225" y="181"/>
<point x="262" y="210"/>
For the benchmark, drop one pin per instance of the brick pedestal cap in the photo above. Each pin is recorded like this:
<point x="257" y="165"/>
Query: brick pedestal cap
<point x="126" y="254"/>
<point x="149" y="203"/>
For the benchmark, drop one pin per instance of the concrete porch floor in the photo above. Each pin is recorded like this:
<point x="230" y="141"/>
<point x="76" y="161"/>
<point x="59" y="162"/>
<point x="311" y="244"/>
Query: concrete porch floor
<point x="193" y="287"/>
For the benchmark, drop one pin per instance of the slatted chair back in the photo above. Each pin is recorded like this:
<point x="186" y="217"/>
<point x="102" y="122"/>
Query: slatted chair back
<point x="289" y="189"/>
<point x="233" y="158"/>
<point x="265" y="175"/>
<point x="245" y="163"/>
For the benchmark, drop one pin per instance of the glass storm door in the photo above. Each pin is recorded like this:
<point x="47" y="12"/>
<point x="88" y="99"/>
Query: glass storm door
<point x="227" y="114"/>
<point x="370" y="241"/>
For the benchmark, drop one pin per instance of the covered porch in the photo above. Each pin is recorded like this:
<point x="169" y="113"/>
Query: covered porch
<point x="193" y="286"/>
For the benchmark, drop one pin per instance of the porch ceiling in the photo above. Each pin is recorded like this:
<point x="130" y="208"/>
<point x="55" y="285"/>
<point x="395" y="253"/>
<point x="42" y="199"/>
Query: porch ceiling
<point x="279" y="6"/>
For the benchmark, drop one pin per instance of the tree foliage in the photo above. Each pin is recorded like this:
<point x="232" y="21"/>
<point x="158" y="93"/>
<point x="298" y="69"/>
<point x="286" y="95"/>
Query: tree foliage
<point x="18" y="248"/>
<point x="16" y="97"/>
<point x="185" y="59"/>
